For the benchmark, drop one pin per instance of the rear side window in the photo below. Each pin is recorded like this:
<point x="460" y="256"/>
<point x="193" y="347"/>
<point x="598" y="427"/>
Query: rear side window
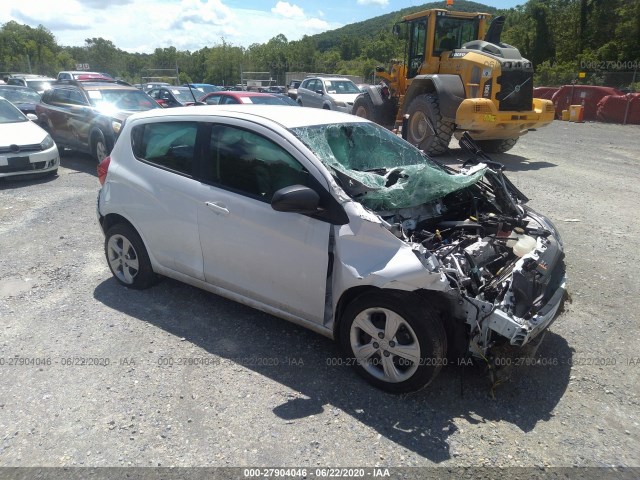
<point x="60" y="96"/>
<point x="213" y="100"/>
<point x="169" y="145"/>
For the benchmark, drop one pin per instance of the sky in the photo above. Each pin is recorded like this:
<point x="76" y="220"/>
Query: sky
<point x="144" y="25"/>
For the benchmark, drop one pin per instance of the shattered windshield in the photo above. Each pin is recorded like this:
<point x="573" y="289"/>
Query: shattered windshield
<point x="383" y="172"/>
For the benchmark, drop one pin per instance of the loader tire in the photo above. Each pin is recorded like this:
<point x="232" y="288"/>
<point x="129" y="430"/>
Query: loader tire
<point x="427" y="129"/>
<point x="497" y="146"/>
<point x="364" y="107"/>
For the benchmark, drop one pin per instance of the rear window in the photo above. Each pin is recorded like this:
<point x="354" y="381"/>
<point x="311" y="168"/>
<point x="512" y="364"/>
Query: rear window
<point x="169" y="145"/>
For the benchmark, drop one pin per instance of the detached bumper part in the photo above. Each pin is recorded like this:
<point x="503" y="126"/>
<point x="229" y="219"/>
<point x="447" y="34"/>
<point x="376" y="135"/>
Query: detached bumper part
<point x="519" y="331"/>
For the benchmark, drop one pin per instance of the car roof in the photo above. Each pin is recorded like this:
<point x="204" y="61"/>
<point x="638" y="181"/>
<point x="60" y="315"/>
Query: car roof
<point x="284" y="115"/>
<point x="330" y="78"/>
<point x="97" y="85"/>
<point x="15" y="87"/>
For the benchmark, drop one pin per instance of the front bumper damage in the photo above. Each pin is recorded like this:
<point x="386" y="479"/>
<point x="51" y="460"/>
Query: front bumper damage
<point x="518" y="331"/>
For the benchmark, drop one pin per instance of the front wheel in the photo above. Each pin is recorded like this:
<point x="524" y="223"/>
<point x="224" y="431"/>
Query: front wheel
<point x="100" y="149"/>
<point x="427" y="129"/>
<point x="497" y="146"/>
<point x="394" y="340"/>
<point x="127" y="257"/>
<point x="363" y="107"/>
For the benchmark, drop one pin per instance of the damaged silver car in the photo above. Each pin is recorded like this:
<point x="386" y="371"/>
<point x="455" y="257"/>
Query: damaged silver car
<point x="334" y="223"/>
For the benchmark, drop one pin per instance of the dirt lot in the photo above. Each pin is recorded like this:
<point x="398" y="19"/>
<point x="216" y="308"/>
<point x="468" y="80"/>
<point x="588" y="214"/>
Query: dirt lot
<point x="94" y="374"/>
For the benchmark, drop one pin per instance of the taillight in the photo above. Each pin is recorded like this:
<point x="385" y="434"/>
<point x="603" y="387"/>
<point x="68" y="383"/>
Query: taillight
<point x="103" y="168"/>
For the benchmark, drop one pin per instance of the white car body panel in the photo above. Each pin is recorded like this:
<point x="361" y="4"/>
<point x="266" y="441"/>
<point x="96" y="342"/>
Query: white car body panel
<point x="23" y="134"/>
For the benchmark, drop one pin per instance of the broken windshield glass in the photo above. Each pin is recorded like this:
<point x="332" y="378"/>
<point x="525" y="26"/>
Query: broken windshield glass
<point x="384" y="172"/>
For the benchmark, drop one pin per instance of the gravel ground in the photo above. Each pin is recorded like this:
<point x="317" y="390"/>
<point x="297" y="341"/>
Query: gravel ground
<point x="93" y="374"/>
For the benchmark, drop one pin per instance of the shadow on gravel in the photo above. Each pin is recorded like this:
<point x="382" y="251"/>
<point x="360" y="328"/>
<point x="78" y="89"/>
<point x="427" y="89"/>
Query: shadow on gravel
<point x="512" y="163"/>
<point x="80" y="162"/>
<point x="310" y="364"/>
<point x="22" y="181"/>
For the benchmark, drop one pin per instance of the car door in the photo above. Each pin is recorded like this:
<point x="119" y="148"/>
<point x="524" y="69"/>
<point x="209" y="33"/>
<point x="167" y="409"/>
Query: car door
<point x="161" y="198"/>
<point x="276" y="258"/>
<point x="311" y="96"/>
<point x="55" y="108"/>
<point x="79" y="120"/>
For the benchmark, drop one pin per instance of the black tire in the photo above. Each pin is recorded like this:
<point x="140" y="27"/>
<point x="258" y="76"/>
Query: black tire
<point x="99" y="147"/>
<point x="299" y="102"/>
<point x="127" y="257"/>
<point x="497" y="146"/>
<point x="427" y="130"/>
<point x="363" y="107"/>
<point x="419" y="332"/>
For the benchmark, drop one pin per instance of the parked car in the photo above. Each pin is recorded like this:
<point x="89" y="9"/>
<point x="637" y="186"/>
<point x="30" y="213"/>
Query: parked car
<point x="275" y="89"/>
<point x="87" y="116"/>
<point x="231" y="98"/>
<point x="203" y="88"/>
<point x="335" y="223"/>
<point x="330" y="93"/>
<point x="151" y="85"/>
<point x="39" y="83"/>
<point x="24" y="98"/>
<point x="173" y="96"/>
<point x="292" y="89"/>
<point x="25" y="148"/>
<point x="82" y="75"/>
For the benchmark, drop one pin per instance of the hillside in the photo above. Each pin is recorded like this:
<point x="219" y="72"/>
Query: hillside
<point x="373" y="27"/>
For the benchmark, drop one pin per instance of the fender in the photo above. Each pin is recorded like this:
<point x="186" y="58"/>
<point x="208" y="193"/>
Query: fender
<point x="449" y="88"/>
<point x="374" y="94"/>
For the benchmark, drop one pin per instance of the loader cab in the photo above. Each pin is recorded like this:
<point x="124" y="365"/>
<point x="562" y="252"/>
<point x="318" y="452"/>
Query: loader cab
<point x="434" y="32"/>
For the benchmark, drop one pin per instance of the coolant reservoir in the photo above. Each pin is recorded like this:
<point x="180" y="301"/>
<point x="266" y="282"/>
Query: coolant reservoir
<point x="521" y="243"/>
<point x="524" y="245"/>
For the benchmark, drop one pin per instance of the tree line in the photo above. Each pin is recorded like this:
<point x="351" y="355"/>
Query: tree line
<point x="561" y="37"/>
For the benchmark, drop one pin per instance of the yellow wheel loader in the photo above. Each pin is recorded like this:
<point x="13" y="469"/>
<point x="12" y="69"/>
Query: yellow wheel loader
<point x="456" y="78"/>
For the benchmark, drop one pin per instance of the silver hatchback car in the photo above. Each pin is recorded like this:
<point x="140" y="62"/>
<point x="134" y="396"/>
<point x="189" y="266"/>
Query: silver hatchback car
<point x="334" y="223"/>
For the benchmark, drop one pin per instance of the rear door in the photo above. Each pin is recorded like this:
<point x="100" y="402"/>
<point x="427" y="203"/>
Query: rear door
<point x="315" y="99"/>
<point x="276" y="258"/>
<point x="55" y="113"/>
<point x="159" y="193"/>
<point x="79" y="115"/>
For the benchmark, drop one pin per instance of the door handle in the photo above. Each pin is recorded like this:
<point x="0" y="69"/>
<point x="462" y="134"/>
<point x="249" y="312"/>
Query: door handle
<point x="218" y="207"/>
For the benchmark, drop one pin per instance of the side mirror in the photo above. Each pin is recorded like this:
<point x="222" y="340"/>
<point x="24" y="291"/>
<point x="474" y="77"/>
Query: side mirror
<point x="320" y="92"/>
<point x="396" y="30"/>
<point x="296" y="199"/>
<point x="32" y="117"/>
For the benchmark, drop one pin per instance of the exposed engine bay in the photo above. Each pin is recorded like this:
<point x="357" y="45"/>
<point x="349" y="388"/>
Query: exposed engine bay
<point x="497" y="263"/>
<point x="504" y="260"/>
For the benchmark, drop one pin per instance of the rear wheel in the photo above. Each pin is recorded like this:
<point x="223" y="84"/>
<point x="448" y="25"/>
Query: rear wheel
<point x="394" y="340"/>
<point x="427" y="129"/>
<point x="127" y="257"/>
<point x="497" y="146"/>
